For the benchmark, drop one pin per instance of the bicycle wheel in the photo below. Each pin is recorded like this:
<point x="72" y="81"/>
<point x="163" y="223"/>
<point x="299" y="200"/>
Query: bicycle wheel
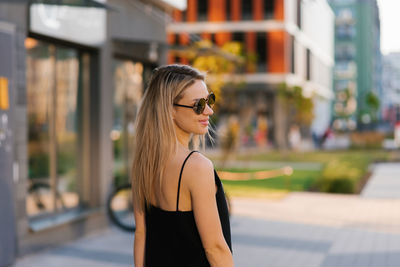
<point x="120" y="208"/>
<point x="39" y="192"/>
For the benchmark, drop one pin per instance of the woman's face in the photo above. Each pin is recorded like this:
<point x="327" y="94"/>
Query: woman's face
<point x="186" y="118"/>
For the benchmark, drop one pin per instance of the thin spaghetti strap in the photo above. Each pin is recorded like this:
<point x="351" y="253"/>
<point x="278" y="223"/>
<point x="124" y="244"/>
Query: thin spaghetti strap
<point x="180" y="178"/>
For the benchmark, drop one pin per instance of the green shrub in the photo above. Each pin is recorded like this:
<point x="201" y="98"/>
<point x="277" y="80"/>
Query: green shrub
<point x="39" y="165"/>
<point x="338" y="185"/>
<point x="120" y="177"/>
<point x="339" y="177"/>
<point x="342" y="185"/>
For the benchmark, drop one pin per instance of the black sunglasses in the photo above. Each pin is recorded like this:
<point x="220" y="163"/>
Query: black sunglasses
<point x="200" y="104"/>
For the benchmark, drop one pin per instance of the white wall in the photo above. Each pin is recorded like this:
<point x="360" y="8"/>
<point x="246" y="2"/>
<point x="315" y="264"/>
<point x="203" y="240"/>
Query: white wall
<point x="318" y="22"/>
<point x="322" y="112"/>
<point x="290" y="11"/>
<point x="300" y="59"/>
<point x="317" y="34"/>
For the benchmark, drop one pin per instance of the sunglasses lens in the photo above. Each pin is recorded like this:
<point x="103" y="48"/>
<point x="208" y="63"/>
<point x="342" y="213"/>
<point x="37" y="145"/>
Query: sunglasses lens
<point x="211" y="99"/>
<point x="199" y="107"/>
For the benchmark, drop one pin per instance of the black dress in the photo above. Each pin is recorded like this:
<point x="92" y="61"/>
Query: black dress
<point x="172" y="238"/>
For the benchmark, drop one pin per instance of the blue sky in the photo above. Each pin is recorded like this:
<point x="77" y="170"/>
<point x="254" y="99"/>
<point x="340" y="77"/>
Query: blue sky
<point x="181" y="4"/>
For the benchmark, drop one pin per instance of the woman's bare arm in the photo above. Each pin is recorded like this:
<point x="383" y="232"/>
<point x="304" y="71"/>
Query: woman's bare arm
<point x="140" y="238"/>
<point x="201" y="184"/>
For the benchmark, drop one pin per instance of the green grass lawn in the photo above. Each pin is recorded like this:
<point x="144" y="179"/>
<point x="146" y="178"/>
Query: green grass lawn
<point x="336" y="165"/>
<point x="301" y="180"/>
<point x="320" y="156"/>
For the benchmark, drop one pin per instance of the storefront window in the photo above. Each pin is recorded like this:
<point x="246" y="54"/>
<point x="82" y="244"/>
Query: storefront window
<point x="52" y="96"/>
<point x="39" y="68"/>
<point x="128" y="90"/>
<point x="67" y="67"/>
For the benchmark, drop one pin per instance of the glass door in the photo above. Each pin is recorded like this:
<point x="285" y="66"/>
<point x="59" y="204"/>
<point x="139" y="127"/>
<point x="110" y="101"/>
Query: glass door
<point x="53" y="92"/>
<point x="128" y="90"/>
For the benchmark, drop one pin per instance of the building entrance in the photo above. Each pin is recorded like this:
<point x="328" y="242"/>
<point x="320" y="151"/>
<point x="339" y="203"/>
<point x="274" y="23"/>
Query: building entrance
<point x="128" y="90"/>
<point x="55" y="85"/>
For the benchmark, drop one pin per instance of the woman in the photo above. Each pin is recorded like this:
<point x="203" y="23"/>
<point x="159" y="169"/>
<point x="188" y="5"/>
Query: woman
<point x="180" y="209"/>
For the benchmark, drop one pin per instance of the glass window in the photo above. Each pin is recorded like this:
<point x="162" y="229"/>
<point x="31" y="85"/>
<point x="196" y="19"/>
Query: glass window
<point x="128" y="90"/>
<point x="341" y="85"/>
<point x="67" y="71"/>
<point x="269" y="7"/>
<point x="247" y="9"/>
<point x="40" y="67"/>
<point x="53" y="88"/>
<point x="337" y="2"/>
<point x="345" y="51"/>
<point x="202" y="10"/>
<point x="238" y="37"/>
<point x="345" y="15"/>
<point x="228" y="9"/>
<point x="213" y="38"/>
<point x="298" y="13"/>
<point x="308" y="64"/>
<point x="292" y="55"/>
<point x="184" y="15"/>
<point x="345" y="32"/>
<point x="262" y="52"/>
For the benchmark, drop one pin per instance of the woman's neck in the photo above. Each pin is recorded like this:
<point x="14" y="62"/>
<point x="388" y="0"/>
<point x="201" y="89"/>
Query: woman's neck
<point x="183" y="140"/>
<point x="183" y="137"/>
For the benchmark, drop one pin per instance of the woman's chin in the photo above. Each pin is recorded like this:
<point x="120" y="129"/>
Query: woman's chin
<point x="201" y="131"/>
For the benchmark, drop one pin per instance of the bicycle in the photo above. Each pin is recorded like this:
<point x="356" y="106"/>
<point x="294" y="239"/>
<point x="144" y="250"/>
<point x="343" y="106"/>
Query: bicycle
<point x="39" y="191"/>
<point x="120" y="208"/>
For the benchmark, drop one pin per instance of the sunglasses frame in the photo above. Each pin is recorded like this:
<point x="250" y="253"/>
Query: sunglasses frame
<point x="196" y="105"/>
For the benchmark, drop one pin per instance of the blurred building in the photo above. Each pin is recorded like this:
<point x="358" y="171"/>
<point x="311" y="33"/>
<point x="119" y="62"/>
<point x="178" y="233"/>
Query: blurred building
<point x="391" y="88"/>
<point x="358" y="66"/>
<point x="71" y="76"/>
<point x="293" y="44"/>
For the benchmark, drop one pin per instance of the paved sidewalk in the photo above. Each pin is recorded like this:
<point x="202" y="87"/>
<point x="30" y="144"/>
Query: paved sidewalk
<point x="384" y="182"/>
<point x="317" y="230"/>
<point x="300" y="230"/>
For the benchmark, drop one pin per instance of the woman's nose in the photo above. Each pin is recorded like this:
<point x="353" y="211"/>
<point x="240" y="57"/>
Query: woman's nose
<point x="208" y="110"/>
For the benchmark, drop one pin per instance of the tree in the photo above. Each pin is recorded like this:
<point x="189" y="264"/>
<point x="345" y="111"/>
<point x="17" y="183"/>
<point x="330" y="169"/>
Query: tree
<point x="220" y="63"/>
<point x="300" y="106"/>
<point x="373" y="103"/>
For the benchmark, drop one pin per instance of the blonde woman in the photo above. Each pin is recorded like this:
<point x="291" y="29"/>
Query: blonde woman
<point x="180" y="208"/>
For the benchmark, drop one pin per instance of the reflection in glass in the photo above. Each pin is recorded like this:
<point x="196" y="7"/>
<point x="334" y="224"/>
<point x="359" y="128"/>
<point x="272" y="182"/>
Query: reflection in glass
<point x="52" y="90"/>
<point x="39" y="85"/>
<point x="67" y="66"/>
<point x="128" y="89"/>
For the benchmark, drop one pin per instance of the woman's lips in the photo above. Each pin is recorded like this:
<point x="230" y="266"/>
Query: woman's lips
<point x="204" y="122"/>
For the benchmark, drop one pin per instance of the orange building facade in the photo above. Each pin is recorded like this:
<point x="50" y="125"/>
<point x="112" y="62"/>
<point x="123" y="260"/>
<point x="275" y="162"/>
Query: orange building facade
<point x="289" y="49"/>
<point x="275" y="55"/>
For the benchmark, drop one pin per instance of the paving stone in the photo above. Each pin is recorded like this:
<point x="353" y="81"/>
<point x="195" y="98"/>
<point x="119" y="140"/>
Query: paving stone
<point x="384" y="182"/>
<point x="301" y="230"/>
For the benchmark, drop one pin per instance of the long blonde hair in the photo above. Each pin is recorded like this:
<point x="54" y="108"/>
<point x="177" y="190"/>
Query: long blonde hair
<point x="155" y="137"/>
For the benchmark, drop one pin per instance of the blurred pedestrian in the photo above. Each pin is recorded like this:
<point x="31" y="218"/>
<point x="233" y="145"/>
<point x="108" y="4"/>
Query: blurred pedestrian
<point x="294" y="137"/>
<point x="327" y="134"/>
<point x="261" y="133"/>
<point x="230" y="138"/>
<point x="180" y="209"/>
<point x="319" y="140"/>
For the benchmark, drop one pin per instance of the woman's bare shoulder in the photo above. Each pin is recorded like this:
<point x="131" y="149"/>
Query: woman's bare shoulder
<point x="199" y="169"/>
<point x="200" y="162"/>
